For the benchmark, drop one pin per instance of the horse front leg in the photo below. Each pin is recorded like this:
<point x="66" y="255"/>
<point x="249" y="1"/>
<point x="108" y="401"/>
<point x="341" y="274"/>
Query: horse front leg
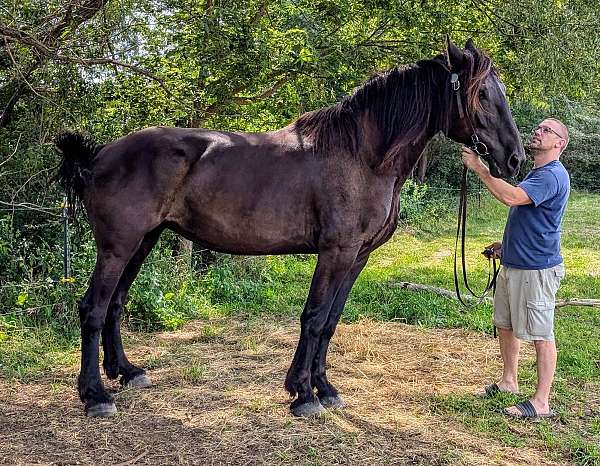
<point x="115" y="361"/>
<point x="332" y="267"/>
<point x="327" y="393"/>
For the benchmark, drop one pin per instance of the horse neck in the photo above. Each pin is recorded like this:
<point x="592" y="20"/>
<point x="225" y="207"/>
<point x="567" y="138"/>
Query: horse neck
<point x="402" y="160"/>
<point x="399" y="156"/>
<point x="404" y="165"/>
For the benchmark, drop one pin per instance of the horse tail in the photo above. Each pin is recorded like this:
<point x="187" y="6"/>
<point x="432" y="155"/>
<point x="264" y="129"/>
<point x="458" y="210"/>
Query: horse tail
<point x="74" y="172"/>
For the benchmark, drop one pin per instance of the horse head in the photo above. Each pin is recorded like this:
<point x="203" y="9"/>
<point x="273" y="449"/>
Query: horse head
<point x="479" y="115"/>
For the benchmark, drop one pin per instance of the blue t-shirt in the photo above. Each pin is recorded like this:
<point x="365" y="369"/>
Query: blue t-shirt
<point x="532" y="234"/>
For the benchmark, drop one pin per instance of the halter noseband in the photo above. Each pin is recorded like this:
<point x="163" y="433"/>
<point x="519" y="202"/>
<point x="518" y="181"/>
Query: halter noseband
<point x="478" y="147"/>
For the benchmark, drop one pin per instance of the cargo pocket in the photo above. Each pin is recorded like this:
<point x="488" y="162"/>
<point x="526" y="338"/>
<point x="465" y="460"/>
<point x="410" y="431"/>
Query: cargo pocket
<point x="557" y="277"/>
<point x="540" y="317"/>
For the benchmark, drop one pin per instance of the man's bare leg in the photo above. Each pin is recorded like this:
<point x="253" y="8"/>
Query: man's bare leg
<point x="509" y="350"/>
<point x="546" y="366"/>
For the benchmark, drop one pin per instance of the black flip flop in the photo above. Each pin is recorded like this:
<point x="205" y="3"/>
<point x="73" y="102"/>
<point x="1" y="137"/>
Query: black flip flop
<point x="493" y="390"/>
<point x="528" y="411"/>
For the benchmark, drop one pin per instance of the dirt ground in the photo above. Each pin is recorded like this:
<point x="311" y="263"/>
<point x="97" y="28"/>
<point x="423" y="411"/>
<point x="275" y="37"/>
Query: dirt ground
<point x="218" y="398"/>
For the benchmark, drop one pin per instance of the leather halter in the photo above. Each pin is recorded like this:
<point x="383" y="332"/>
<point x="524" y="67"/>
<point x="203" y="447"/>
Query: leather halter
<point x="478" y="147"/>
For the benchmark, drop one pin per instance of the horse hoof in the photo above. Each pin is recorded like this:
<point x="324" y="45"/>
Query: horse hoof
<point x="335" y="402"/>
<point x="139" y="381"/>
<point x="307" y="409"/>
<point x="101" y="410"/>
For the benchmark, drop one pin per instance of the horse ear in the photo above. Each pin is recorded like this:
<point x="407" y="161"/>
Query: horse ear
<point x="455" y="55"/>
<point x="470" y="45"/>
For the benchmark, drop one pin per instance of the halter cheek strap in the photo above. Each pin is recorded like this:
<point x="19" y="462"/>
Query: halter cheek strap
<point x="480" y="149"/>
<point x="456" y="88"/>
<point x="477" y="146"/>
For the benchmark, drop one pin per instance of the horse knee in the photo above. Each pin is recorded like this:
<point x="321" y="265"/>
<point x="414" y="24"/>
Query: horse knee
<point x="91" y="319"/>
<point x="314" y="323"/>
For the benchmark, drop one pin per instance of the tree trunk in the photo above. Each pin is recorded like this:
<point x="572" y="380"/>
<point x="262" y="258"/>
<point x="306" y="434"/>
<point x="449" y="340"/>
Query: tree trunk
<point x="184" y="256"/>
<point x="422" y="166"/>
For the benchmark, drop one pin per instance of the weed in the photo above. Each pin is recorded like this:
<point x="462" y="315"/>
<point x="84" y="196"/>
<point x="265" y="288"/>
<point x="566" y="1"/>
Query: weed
<point x="195" y="372"/>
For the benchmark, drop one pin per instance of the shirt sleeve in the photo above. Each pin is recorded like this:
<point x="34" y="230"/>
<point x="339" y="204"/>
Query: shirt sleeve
<point x="540" y="186"/>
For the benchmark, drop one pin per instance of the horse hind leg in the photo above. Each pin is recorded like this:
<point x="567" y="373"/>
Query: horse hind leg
<point x="115" y="361"/>
<point x="110" y="264"/>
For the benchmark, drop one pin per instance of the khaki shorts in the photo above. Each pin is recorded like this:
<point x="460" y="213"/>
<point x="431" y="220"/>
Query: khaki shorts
<point x="524" y="301"/>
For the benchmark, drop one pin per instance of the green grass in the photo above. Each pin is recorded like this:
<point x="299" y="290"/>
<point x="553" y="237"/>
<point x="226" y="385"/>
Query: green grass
<point x="29" y="352"/>
<point x="195" y="372"/>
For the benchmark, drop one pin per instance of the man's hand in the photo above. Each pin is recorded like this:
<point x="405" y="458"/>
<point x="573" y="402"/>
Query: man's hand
<point x="472" y="160"/>
<point x="494" y="250"/>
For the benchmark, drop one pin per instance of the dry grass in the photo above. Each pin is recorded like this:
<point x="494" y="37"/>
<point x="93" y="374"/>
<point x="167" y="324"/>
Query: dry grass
<point x="218" y="399"/>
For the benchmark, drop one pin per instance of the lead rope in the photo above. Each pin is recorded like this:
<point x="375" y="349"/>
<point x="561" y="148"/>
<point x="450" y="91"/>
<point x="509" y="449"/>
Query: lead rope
<point x="481" y="149"/>
<point x="493" y="268"/>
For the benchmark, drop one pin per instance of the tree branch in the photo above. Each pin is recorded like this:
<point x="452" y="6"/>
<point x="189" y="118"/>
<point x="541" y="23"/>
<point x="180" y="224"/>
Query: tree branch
<point x="263" y="95"/>
<point x="75" y="17"/>
<point x="452" y="295"/>
<point x="18" y="36"/>
<point x="240" y="100"/>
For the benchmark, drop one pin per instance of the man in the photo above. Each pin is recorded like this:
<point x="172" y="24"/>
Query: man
<point x="532" y="264"/>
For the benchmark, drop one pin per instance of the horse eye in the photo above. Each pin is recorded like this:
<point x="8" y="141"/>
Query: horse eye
<point x="482" y="94"/>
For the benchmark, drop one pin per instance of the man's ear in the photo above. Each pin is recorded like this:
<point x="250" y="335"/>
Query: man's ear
<point x="455" y="56"/>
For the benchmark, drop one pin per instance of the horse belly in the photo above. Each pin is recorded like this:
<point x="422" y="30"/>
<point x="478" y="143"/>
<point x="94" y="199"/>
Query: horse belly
<point x="269" y="220"/>
<point x="228" y="233"/>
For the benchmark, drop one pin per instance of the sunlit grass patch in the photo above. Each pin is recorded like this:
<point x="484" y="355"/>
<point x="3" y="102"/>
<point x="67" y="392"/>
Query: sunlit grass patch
<point x="194" y="372"/>
<point x="26" y="353"/>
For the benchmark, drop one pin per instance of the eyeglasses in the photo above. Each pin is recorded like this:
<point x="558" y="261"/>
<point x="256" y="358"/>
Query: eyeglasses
<point x="546" y="130"/>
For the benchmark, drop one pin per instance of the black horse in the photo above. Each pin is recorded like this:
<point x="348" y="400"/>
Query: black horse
<point x="327" y="184"/>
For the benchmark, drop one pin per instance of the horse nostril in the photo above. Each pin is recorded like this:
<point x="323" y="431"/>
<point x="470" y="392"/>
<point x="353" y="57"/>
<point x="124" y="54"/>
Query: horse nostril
<point x="513" y="163"/>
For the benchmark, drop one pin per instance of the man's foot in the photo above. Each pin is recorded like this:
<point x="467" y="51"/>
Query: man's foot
<point x="492" y="390"/>
<point x="528" y="410"/>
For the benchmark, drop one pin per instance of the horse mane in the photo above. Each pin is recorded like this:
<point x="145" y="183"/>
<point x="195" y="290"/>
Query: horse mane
<point x="479" y="68"/>
<point x="405" y="103"/>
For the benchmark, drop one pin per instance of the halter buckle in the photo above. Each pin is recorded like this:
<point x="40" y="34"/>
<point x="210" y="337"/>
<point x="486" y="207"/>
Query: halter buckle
<point x="455" y="82"/>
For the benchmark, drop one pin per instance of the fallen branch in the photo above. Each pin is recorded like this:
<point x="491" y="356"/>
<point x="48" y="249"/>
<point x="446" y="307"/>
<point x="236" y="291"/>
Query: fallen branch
<point x="578" y="302"/>
<point x="434" y="289"/>
<point x="452" y="295"/>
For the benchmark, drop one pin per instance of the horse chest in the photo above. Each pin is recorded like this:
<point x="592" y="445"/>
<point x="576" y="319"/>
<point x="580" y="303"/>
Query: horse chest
<point x="384" y="225"/>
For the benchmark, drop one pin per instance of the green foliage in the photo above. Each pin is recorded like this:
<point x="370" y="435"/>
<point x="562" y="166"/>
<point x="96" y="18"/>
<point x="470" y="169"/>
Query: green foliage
<point x="257" y="284"/>
<point x="582" y="160"/>
<point x="165" y="295"/>
<point x="412" y="201"/>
